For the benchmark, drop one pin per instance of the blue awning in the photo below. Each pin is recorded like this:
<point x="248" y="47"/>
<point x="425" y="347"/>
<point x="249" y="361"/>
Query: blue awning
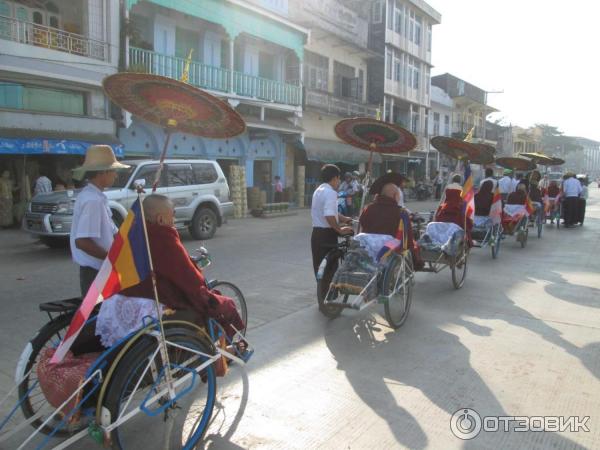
<point x="38" y="146"/>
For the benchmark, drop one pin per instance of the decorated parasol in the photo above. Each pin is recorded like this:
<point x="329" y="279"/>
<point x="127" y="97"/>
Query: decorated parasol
<point x="556" y="161"/>
<point x="462" y="150"/>
<point x="375" y="136"/>
<point x="538" y="158"/>
<point x="515" y="163"/>
<point x="174" y="105"/>
<point x="390" y="177"/>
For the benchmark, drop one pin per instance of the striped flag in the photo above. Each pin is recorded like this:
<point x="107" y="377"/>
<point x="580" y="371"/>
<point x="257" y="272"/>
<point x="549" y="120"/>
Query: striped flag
<point x="126" y="265"/>
<point x="496" y="209"/>
<point x="401" y="243"/>
<point x="468" y="192"/>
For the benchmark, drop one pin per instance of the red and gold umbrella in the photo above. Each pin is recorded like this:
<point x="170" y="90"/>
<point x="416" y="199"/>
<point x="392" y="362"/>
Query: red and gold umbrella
<point x="515" y="163"/>
<point x="556" y="161"/>
<point x="174" y="105"/>
<point x="375" y="136"/>
<point x="462" y="150"/>
<point x="538" y="158"/>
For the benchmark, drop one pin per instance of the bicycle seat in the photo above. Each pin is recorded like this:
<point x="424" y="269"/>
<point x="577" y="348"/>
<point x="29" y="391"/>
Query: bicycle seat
<point x="60" y="306"/>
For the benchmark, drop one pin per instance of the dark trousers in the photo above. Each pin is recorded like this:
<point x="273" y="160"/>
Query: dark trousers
<point x="438" y="191"/>
<point x="86" y="277"/>
<point x="570" y="210"/>
<point x="322" y="241"/>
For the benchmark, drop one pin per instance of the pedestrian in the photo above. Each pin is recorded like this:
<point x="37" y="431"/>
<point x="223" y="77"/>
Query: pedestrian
<point x="93" y="229"/>
<point x="43" y="184"/>
<point x="437" y="182"/>
<point x="278" y="187"/>
<point x="349" y="187"/>
<point x="489" y="176"/>
<point x="571" y="190"/>
<point x="505" y="184"/>
<point x="326" y="221"/>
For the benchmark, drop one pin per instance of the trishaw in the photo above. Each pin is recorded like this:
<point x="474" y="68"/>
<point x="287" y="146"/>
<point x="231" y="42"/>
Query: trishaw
<point x="353" y="275"/>
<point x="161" y="371"/>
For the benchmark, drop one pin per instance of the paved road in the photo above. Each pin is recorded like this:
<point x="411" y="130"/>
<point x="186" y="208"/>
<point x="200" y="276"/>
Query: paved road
<point x="520" y="339"/>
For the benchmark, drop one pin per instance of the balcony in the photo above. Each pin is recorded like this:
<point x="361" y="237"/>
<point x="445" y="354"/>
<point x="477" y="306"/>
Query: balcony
<point x="215" y="78"/>
<point x="339" y="106"/>
<point x="29" y="33"/>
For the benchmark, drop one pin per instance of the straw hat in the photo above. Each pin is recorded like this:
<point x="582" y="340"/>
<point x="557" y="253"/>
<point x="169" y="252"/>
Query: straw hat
<point x="97" y="159"/>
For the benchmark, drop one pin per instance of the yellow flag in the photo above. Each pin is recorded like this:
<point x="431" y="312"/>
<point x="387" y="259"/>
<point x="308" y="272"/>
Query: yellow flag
<point x="469" y="136"/>
<point x="186" y="69"/>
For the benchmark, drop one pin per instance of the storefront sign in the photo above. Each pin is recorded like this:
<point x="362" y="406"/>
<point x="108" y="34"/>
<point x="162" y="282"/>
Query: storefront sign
<point x="48" y="146"/>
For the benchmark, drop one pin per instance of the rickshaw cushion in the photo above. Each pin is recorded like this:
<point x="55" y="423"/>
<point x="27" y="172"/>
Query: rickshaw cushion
<point x="59" y="381"/>
<point x="514" y="213"/>
<point x="442" y="237"/>
<point x="355" y="272"/>
<point x="120" y="315"/>
<point x="374" y="243"/>
<point x="482" y="222"/>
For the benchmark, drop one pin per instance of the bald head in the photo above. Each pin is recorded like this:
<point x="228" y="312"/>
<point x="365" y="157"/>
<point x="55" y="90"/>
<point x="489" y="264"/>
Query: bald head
<point x="391" y="190"/>
<point x="158" y="209"/>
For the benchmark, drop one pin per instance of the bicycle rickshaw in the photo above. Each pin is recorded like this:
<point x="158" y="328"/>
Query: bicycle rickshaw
<point x="487" y="233"/>
<point x="366" y="269"/>
<point x="158" y="367"/>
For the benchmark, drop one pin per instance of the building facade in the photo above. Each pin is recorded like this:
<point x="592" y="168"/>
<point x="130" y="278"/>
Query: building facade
<point x="401" y="33"/>
<point x="527" y="140"/>
<point x="52" y="106"/>
<point x="441" y="124"/>
<point x="247" y="53"/>
<point x="591" y="157"/>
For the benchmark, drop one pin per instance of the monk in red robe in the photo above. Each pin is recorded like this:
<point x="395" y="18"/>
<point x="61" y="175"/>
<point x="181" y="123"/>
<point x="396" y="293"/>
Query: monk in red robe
<point x="181" y="285"/>
<point x="453" y="210"/>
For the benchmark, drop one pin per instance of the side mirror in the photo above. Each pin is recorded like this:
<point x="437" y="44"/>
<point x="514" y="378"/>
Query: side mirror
<point x="139" y="183"/>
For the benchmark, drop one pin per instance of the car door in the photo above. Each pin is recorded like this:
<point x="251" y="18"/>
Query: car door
<point x="181" y="190"/>
<point x="147" y="173"/>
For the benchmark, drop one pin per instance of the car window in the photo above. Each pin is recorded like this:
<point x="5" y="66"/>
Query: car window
<point x="205" y="173"/>
<point x="148" y="173"/>
<point x="179" y="175"/>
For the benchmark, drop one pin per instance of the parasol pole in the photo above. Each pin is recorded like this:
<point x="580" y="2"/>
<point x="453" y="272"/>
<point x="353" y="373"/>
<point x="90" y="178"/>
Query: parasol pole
<point x="171" y="124"/>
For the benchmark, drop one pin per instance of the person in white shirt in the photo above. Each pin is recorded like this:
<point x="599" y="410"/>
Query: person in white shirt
<point x="43" y="185"/>
<point x="571" y="191"/>
<point x="515" y="182"/>
<point x="489" y="176"/>
<point x="326" y="221"/>
<point x="93" y="229"/>
<point x="505" y="184"/>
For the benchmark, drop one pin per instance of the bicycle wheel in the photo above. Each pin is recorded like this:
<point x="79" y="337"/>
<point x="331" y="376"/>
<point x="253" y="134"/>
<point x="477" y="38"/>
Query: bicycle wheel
<point x="523" y="237"/>
<point x="497" y="237"/>
<point x="231" y="290"/>
<point x="459" y="268"/>
<point x="181" y="425"/>
<point x="324" y="292"/>
<point x="29" y="389"/>
<point x="539" y="229"/>
<point x="397" y="284"/>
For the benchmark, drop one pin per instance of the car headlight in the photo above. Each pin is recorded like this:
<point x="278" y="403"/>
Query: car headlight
<point x="65" y="208"/>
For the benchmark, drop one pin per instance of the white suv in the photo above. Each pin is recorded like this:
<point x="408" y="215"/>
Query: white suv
<point x="197" y="188"/>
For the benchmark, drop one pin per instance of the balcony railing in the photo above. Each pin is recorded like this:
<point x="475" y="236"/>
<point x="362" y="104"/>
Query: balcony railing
<point x="339" y="106"/>
<point x="215" y="78"/>
<point x="15" y="30"/>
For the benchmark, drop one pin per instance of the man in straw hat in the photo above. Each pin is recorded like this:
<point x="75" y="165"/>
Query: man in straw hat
<point x="93" y="229"/>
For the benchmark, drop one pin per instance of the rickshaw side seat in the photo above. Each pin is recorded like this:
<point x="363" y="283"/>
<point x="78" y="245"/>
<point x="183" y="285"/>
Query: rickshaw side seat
<point x="61" y="306"/>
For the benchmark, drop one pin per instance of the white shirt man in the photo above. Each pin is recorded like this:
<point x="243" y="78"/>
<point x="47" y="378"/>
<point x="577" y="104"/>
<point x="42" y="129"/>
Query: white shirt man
<point x="505" y="184"/>
<point x="92" y="219"/>
<point x="515" y="182"/>
<point x="572" y="187"/>
<point x="324" y="203"/>
<point x="43" y="185"/>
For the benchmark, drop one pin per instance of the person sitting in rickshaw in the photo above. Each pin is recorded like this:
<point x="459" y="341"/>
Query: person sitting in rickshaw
<point x="519" y="197"/>
<point x="535" y="195"/>
<point x="453" y="210"/>
<point x="515" y="209"/>
<point x="180" y="283"/>
<point x="383" y="215"/>
<point x="484" y="199"/>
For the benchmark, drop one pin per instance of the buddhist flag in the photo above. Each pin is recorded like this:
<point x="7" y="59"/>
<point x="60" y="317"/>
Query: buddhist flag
<point x="126" y="265"/>
<point x="496" y="209"/>
<point x="186" y="69"/>
<point x="400" y="244"/>
<point x="468" y="192"/>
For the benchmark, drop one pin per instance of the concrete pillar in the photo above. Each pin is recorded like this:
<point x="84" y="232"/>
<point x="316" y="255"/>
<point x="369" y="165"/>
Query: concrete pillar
<point x="392" y="102"/>
<point x="231" y="64"/>
<point x="249" y="171"/>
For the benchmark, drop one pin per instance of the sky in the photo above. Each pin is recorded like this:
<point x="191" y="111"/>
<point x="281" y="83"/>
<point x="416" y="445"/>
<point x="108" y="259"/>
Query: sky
<point x="543" y="54"/>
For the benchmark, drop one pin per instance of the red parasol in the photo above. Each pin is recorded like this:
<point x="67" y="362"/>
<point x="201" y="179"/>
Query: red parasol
<point x="174" y="105"/>
<point x="515" y="163"/>
<point x="462" y="150"/>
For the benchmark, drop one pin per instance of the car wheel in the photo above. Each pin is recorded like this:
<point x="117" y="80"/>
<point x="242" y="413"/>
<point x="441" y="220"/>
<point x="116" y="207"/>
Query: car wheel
<point x="116" y="218"/>
<point x="204" y="224"/>
<point x="54" y="242"/>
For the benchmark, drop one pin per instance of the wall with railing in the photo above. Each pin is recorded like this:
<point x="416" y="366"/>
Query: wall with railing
<point x="43" y="36"/>
<point x="339" y="106"/>
<point x="215" y="78"/>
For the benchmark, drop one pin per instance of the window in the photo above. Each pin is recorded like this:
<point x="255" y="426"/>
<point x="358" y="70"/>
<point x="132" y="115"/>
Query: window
<point x="390" y="14"/>
<point x="179" y="175"/>
<point x="388" y="64"/>
<point x="204" y="173"/>
<point x="446" y="125"/>
<point x="397" y="69"/>
<point x="414" y="123"/>
<point x="316" y="71"/>
<point x="42" y="99"/>
<point x="148" y="174"/>
<point x="436" y="124"/>
<point x="377" y="11"/>
<point x="418" y="28"/>
<point x="361" y="83"/>
<point x="346" y="83"/>
<point x="429" y="36"/>
<point x="411" y="25"/>
<point x="398" y="18"/>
